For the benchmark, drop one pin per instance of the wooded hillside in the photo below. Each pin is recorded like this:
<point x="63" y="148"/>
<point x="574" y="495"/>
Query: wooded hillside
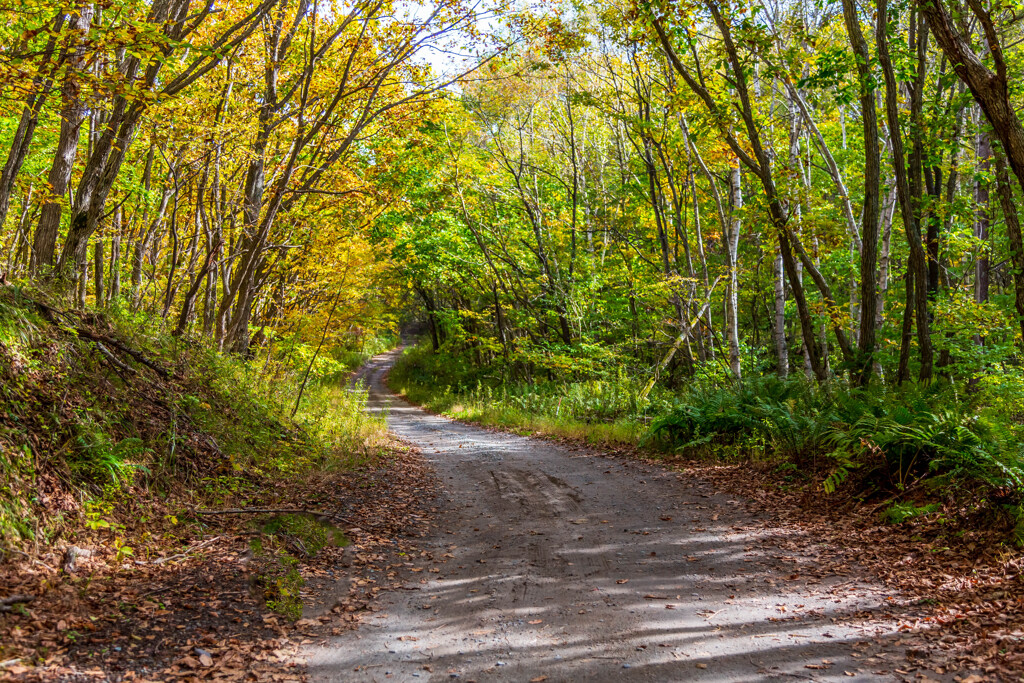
<point x="781" y="237"/>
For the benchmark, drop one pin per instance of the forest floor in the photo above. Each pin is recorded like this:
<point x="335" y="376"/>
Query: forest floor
<point x="552" y="562"/>
<point x="479" y="555"/>
<point x="195" y="609"/>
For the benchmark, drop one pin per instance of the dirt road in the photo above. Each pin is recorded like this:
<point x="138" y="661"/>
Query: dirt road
<point x="580" y="567"/>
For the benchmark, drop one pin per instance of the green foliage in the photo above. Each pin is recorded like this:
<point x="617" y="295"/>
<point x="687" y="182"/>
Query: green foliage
<point x="278" y="568"/>
<point x="16" y="477"/>
<point x="308" y="534"/>
<point x="892" y="437"/>
<point x="761" y="416"/>
<point x="19" y="324"/>
<point x="602" y="409"/>
<point x="904" y="435"/>
<point x="915" y="443"/>
<point x="897" y="513"/>
<point x="283" y="586"/>
<point x="217" y="431"/>
<point x="102" y="459"/>
<point x="1017" y="534"/>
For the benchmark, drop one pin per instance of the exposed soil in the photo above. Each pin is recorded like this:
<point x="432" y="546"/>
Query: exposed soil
<point x="555" y="563"/>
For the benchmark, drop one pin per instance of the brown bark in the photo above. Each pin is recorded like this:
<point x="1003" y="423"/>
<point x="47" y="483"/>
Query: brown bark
<point x="97" y="271"/>
<point x="981" y="223"/>
<point x="173" y="20"/>
<point x="863" y="364"/>
<point x="190" y="297"/>
<point x="29" y="120"/>
<point x="990" y="88"/>
<point x="1013" y="231"/>
<point x="115" y="258"/>
<point x="908" y="189"/>
<point x="71" y="117"/>
<point x="760" y="166"/>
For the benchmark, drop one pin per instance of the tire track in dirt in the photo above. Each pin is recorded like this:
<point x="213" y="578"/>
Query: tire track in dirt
<point x="584" y="567"/>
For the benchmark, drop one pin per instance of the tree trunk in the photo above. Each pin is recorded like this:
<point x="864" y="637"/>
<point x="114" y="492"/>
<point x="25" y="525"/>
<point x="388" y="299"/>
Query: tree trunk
<point x="863" y="365"/>
<point x="781" y="345"/>
<point x="188" y="305"/>
<point x="115" y="258"/>
<point x="732" y="238"/>
<point x="991" y="89"/>
<point x="71" y="117"/>
<point x="883" y="257"/>
<point x="81" y="279"/>
<point x="1013" y="232"/>
<point x="21" y="238"/>
<point x="29" y="120"/>
<point x="760" y="164"/>
<point x="97" y="271"/>
<point x="428" y="302"/>
<point x="908" y="190"/>
<point x="907" y="328"/>
<point x="981" y="224"/>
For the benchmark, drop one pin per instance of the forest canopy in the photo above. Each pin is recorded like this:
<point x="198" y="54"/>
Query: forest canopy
<point x="679" y="193"/>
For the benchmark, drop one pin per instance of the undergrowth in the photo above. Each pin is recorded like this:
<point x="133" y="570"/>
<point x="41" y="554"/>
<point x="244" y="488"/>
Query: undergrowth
<point x="114" y="441"/>
<point x="903" y="445"/>
<point x="596" y="410"/>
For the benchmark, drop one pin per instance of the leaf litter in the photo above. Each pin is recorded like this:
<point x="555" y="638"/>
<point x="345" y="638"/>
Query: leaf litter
<point x="201" y="613"/>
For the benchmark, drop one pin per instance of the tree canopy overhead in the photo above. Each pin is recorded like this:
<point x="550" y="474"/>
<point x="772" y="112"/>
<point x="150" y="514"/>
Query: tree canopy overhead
<point x="678" y="188"/>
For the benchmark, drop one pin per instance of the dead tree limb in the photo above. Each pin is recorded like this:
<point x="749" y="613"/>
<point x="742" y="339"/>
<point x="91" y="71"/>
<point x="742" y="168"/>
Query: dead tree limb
<point x="57" y="317"/>
<point x="114" y="360"/>
<point x="6" y="604"/>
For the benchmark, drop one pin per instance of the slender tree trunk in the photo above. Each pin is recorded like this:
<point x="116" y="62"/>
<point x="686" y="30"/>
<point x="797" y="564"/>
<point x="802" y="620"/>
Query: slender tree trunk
<point x="1013" y="232"/>
<point x="872" y="198"/>
<point x="499" y="320"/>
<point x="760" y="163"/>
<point x="907" y="329"/>
<point x="29" y="120"/>
<point x="428" y="302"/>
<point x="169" y="290"/>
<point x="115" y="257"/>
<point x="309" y="368"/>
<point x="781" y="345"/>
<point x="908" y="188"/>
<point x="71" y="117"/>
<point x="21" y="238"/>
<point x="732" y="325"/>
<point x="97" y="271"/>
<point x="81" y="279"/>
<point x="981" y="224"/>
<point x="188" y="305"/>
<point x="990" y="88"/>
<point x="884" y="258"/>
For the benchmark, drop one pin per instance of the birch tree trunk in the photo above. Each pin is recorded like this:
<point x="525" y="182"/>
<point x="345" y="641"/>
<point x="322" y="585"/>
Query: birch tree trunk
<point x="779" y="328"/>
<point x="732" y="326"/>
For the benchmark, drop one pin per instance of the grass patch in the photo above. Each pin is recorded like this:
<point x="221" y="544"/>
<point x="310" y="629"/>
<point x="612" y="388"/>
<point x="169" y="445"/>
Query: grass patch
<point x="897" y="513"/>
<point x="97" y="448"/>
<point x="595" y="411"/>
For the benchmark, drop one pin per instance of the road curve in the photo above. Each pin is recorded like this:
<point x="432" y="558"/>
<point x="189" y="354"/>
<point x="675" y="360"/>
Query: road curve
<point x="582" y="567"/>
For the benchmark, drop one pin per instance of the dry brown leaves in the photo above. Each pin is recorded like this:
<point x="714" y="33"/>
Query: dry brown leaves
<point x="959" y="598"/>
<point x="959" y="589"/>
<point x="200" y="617"/>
